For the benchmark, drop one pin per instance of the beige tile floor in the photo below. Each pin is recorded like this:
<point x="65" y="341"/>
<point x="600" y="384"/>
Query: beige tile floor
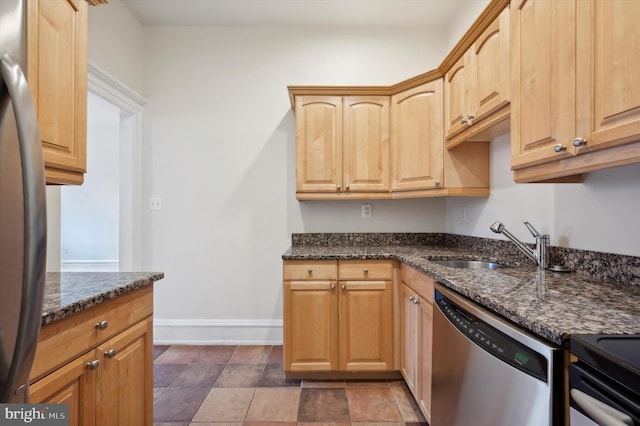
<point x="245" y="386"/>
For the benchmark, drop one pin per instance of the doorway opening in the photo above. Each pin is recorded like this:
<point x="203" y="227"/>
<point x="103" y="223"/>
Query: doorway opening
<point x="100" y="220"/>
<point x="90" y="213"/>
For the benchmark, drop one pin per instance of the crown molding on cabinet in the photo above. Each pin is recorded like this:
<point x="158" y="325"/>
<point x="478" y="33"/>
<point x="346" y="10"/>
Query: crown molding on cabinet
<point x="488" y="15"/>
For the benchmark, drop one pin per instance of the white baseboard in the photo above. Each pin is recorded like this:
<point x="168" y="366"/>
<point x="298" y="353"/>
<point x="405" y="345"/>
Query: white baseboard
<point x="216" y="332"/>
<point x="71" y="265"/>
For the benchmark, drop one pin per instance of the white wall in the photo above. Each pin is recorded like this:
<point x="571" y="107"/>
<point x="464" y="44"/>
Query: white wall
<point x="600" y="214"/>
<point x="115" y="42"/>
<point x="465" y="17"/>
<point x="219" y="150"/>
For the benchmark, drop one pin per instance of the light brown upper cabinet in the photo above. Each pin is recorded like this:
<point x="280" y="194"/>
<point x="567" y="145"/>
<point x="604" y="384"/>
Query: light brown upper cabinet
<point x="416" y="138"/>
<point x="575" y="95"/>
<point x="476" y="88"/>
<point x="421" y="167"/>
<point x="57" y="76"/>
<point x="342" y="147"/>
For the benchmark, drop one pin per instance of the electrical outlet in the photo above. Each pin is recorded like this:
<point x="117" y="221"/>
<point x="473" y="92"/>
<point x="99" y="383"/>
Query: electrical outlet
<point x="367" y="211"/>
<point x="155" y="203"/>
<point x="463" y="213"/>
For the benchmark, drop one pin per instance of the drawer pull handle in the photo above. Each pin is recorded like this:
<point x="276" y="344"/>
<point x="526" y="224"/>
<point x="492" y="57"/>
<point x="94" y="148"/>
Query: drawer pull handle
<point x="102" y="325"/>
<point x="93" y="364"/>
<point x="110" y="353"/>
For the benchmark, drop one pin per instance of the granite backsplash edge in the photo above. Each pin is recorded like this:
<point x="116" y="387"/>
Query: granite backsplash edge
<point x="617" y="268"/>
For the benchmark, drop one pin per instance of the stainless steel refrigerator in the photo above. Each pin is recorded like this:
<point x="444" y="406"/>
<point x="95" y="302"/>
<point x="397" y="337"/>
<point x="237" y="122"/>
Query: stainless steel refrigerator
<point x="23" y="228"/>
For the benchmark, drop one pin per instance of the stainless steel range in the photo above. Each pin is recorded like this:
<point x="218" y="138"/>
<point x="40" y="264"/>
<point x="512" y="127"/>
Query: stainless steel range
<point x="489" y="372"/>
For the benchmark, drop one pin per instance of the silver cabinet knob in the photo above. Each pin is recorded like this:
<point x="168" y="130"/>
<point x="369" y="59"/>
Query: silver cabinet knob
<point x="579" y="142"/>
<point x="348" y="187"/>
<point x="468" y="120"/>
<point x="110" y="353"/>
<point x="416" y="301"/>
<point x="437" y="183"/>
<point x="93" y="364"/>
<point x="332" y="286"/>
<point x="366" y="270"/>
<point x="411" y="298"/>
<point x="338" y="187"/>
<point x="310" y="270"/>
<point x="102" y="325"/>
<point x="559" y="148"/>
<point x="343" y="287"/>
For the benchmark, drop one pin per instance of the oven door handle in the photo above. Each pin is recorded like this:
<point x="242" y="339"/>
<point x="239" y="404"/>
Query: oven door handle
<point x="602" y="413"/>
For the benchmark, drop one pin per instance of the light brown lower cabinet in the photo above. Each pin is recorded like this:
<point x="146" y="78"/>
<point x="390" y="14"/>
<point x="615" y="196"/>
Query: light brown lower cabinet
<point x="338" y="317"/>
<point x="100" y="363"/>
<point x="416" y="334"/>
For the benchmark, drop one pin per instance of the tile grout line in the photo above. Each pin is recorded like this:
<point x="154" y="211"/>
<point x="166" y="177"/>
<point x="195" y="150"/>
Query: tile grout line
<point x="268" y="359"/>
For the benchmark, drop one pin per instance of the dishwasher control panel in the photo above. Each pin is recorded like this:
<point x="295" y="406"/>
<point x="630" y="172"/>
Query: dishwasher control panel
<point x="492" y="340"/>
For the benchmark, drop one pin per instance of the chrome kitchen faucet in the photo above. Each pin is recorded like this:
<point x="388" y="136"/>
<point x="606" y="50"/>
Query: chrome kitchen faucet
<point x="541" y="254"/>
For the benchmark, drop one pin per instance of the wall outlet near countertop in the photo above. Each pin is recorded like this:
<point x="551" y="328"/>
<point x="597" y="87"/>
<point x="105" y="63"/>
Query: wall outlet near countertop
<point x="462" y="215"/>
<point x="367" y="211"/>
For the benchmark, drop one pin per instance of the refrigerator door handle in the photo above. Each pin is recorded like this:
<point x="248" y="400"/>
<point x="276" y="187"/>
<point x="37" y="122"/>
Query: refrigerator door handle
<point x="14" y="83"/>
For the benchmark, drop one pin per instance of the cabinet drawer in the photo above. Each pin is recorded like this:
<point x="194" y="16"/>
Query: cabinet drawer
<point x="419" y="282"/>
<point x="365" y="270"/>
<point x="63" y="340"/>
<point x="311" y="270"/>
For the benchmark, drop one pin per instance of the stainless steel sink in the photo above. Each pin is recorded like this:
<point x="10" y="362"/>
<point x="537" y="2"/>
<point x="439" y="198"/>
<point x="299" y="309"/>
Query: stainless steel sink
<point x="469" y="264"/>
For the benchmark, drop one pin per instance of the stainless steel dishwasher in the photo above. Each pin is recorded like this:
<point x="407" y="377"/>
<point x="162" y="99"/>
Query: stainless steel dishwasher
<point x="488" y="371"/>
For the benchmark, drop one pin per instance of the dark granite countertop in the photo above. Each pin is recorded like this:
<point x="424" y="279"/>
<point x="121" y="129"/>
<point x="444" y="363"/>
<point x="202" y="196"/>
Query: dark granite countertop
<point x="68" y="292"/>
<point x="551" y="305"/>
